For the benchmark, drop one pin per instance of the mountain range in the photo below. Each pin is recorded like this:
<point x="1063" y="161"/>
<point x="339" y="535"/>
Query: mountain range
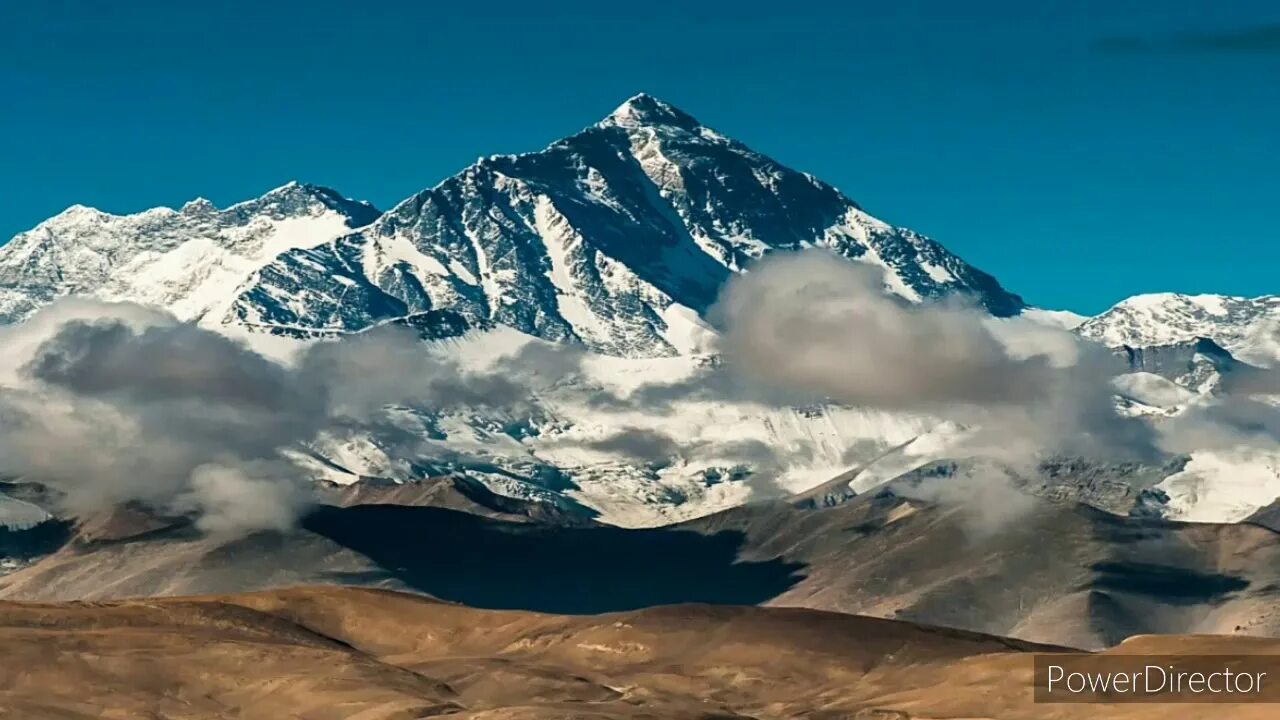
<point x="616" y="240"/>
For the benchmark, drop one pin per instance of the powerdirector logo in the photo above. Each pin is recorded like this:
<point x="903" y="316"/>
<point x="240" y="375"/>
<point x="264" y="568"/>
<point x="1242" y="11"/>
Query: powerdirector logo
<point x="1157" y="678"/>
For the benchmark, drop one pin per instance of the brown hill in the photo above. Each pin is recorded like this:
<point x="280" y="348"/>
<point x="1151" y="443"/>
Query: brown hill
<point x="1059" y="573"/>
<point x="333" y="652"/>
<point x="1052" y="572"/>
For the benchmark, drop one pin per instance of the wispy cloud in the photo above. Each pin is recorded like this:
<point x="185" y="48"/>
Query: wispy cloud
<point x="1261" y="39"/>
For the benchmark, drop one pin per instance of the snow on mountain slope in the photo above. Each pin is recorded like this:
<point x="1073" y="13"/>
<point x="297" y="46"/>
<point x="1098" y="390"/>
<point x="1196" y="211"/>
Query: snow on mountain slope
<point x="1226" y="485"/>
<point x="189" y="261"/>
<point x="618" y="237"/>
<point x="636" y="464"/>
<point x="1248" y="327"/>
<point x="1062" y="319"/>
<point x="18" y="514"/>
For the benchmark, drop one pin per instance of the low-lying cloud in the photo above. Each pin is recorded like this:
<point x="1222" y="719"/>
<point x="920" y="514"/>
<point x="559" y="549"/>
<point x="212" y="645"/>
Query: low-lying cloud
<point x="110" y="403"/>
<point x="820" y="325"/>
<point x="815" y="322"/>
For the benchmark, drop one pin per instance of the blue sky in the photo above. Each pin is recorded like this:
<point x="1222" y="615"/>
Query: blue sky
<point x="1080" y="151"/>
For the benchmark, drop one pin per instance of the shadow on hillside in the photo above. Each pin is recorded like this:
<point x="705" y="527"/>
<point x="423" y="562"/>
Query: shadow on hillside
<point x="33" y="542"/>
<point x="492" y="564"/>
<point x="1172" y="585"/>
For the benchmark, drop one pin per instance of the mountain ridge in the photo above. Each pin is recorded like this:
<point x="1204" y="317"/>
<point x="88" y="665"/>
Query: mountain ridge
<point x="617" y="236"/>
<point x="596" y="290"/>
<point x="1247" y="327"/>
<point x="185" y="260"/>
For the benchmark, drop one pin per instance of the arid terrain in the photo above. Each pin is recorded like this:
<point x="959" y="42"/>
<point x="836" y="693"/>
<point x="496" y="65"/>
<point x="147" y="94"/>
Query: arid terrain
<point x="333" y="652"/>
<point x="1057" y="572"/>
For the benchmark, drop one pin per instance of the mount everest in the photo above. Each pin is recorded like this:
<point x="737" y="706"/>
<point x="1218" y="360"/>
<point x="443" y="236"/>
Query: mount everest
<point x="615" y="240"/>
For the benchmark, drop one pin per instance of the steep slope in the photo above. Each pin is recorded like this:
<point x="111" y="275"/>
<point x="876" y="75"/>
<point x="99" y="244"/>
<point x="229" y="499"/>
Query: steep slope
<point x="1248" y="327"/>
<point x="189" y="261"/>
<point x="617" y="237"/>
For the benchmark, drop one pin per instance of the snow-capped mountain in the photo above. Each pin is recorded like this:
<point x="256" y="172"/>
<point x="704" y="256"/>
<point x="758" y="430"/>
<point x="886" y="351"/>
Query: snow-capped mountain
<point x="1247" y="327"/>
<point x="190" y="261"/>
<point x="618" y="237"/>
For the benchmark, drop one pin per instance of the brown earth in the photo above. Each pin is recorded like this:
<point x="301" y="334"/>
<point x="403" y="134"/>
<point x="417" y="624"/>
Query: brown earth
<point x="323" y="653"/>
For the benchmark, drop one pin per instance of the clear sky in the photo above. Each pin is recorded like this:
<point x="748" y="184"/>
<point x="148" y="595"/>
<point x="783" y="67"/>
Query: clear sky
<point x="1080" y="151"/>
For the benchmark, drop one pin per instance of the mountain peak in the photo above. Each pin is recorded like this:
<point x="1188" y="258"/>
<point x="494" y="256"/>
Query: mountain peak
<point x="297" y="198"/>
<point x="78" y="212"/>
<point x="199" y="205"/>
<point x="644" y="110"/>
<point x="293" y="188"/>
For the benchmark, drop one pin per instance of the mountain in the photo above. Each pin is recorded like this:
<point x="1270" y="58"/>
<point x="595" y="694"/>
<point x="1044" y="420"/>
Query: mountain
<point x="618" y="236"/>
<point x="329" y="653"/>
<point x="1014" y="565"/>
<point x="1247" y="327"/>
<point x="190" y="261"/>
<point x="319" y="653"/>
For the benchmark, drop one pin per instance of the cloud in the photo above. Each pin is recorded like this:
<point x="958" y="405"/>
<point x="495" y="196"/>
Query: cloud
<point x="811" y="327"/>
<point x="231" y="501"/>
<point x="818" y="325"/>
<point x="986" y="495"/>
<point x="1261" y="39"/>
<point x="641" y="445"/>
<point x="760" y="464"/>
<point x="360" y="375"/>
<point x="813" y="322"/>
<point x="111" y="403"/>
<point x="1221" y="423"/>
<point x="115" y="402"/>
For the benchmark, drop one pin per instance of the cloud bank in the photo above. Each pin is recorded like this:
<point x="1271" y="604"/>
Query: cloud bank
<point x="816" y="324"/>
<point x="110" y="403"/>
